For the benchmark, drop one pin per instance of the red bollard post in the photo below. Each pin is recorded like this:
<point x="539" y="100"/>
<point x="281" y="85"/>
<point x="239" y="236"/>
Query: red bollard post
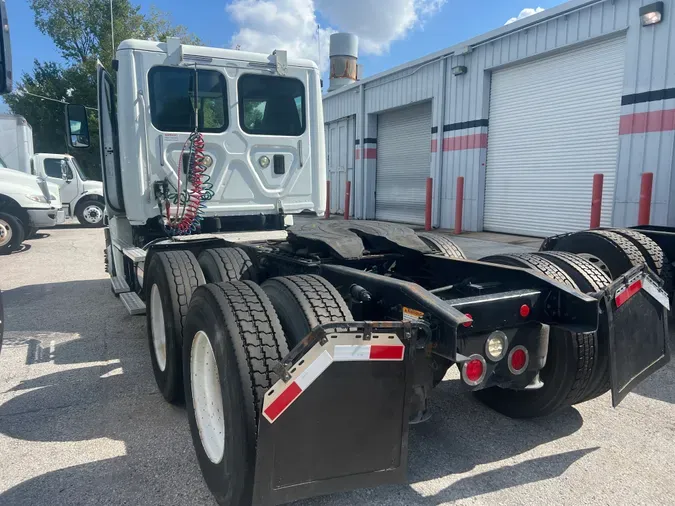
<point x="596" y="200"/>
<point x="326" y="213"/>
<point x="427" y="209"/>
<point x="645" y="198"/>
<point x="348" y="198"/>
<point x="459" y="205"/>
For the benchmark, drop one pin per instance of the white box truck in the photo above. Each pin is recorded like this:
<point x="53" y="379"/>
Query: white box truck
<point x="82" y="198"/>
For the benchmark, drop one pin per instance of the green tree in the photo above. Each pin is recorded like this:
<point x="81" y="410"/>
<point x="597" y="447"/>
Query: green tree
<point x="81" y="31"/>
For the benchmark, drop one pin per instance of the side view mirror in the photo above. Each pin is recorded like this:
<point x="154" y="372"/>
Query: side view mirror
<point x="77" y="126"/>
<point x="64" y="172"/>
<point x="5" y="52"/>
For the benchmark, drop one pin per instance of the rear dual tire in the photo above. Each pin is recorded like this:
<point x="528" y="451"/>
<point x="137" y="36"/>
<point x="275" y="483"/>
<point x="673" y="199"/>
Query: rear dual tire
<point x="232" y="341"/>
<point x="172" y="277"/>
<point x="575" y="370"/>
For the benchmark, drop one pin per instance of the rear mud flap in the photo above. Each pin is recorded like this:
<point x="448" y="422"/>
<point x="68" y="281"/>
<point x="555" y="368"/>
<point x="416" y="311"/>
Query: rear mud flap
<point x="338" y="419"/>
<point x="635" y="317"/>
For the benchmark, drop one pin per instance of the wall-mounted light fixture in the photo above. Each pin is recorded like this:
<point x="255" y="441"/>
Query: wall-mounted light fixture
<point x="459" y="70"/>
<point x="651" y="14"/>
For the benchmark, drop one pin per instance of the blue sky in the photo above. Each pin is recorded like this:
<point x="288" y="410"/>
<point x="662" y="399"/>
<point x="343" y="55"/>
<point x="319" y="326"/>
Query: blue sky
<point x="447" y="22"/>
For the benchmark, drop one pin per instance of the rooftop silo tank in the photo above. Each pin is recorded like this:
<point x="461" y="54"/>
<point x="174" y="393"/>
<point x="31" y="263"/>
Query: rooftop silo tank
<point x="344" y="53"/>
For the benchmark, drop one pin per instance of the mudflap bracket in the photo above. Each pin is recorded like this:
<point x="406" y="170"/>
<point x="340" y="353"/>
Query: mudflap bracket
<point x="338" y="418"/>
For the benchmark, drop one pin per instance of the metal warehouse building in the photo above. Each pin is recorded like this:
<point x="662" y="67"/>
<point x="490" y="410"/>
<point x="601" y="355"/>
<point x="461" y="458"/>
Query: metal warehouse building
<point x="527" y="114"/>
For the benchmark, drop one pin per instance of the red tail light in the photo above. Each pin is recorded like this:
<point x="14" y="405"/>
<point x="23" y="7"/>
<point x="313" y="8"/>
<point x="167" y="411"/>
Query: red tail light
<point x="473" y="370"/>
<point x="519" y="358"/>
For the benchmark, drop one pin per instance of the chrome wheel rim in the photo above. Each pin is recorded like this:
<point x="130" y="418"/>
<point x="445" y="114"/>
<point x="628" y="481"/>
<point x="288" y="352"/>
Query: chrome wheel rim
<point x="207" y="400"/>
<point x="597" y="262"/>
<point x="5" y="233"/>
<point x="92" y="214"/>
<point x="158" y="330"/>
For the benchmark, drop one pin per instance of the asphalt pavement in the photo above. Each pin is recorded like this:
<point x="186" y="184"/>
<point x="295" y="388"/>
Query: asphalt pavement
<point x="82" y="423"/>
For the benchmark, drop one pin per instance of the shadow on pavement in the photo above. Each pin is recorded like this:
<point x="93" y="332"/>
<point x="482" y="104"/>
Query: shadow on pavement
<point x="87" y="384"/>
<point x="661" y="386"/>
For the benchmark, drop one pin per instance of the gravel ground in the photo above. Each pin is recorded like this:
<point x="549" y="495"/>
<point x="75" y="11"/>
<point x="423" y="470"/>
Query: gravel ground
<point x="81" y="421"/>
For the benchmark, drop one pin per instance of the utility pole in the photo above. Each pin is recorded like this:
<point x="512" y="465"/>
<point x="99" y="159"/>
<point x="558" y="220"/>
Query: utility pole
<point x="112" y="29"/>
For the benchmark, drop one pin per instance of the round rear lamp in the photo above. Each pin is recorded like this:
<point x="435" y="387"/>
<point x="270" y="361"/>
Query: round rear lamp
<point x="473" y="370"/>
<point x="495" y="346"/>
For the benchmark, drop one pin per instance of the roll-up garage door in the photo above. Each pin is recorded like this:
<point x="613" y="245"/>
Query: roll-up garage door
<point x="553" y="124"/>
<point x="403" y="163"/>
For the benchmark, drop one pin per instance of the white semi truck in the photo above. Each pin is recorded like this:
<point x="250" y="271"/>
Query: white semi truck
<point x="304" y="352"/>
<point x="82" y="198"/>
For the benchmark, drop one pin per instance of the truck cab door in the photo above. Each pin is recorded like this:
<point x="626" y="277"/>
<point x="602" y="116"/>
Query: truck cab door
<point x="54" y="172"/>
<point x="110" y="153"/>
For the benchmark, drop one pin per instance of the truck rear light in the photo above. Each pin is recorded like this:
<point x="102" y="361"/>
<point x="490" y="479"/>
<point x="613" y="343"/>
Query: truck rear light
<point x="473" y="370"/>
<point x="496" y="345"/>
<point x="519" y="358"/>
<point x="524" y="310"/>
<point x="468" y="324"/>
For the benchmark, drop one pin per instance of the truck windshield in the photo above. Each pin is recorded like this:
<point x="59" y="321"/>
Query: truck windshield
<point x="271" y="105"/>
<point x="76" y="167"/>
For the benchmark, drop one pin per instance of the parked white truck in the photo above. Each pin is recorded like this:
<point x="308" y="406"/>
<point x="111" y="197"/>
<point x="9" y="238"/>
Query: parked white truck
<point x="82" y="198"/>
<point x="304" y="353"/>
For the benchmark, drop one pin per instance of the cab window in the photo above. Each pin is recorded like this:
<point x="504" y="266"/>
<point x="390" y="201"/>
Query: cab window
<point x="53" y="167"/>
<point x="271" y="105"/>
<point x="172" y="97"/>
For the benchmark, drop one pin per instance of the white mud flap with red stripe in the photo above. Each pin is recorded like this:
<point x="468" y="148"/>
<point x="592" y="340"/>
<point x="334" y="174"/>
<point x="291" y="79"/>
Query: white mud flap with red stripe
<point x="338" y="419"/>
<point x="636" y="322"/>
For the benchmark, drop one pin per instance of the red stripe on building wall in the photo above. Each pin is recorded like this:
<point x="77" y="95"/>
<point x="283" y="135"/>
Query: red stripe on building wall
<point x="370" y="153"/>
<point x="643" y="122"/>
<point x="434" y="145"/>
<point x="475" y="141"/>
<point x="357" y="153"/>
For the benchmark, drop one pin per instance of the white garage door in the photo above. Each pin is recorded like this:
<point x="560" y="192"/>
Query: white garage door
<point x="403" y="163"/>
<point x="553" y="124"/>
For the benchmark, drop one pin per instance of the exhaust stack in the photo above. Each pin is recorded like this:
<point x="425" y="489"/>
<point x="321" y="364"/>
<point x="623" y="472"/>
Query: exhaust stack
<point x="344" y="53"/>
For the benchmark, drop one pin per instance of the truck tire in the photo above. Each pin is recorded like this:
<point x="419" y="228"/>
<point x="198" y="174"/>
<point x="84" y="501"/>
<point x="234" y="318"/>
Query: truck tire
<point x="31" y="232"/>
<point x="90" y="213"/>
<point x="12" y="233"/>
<point x="586" y="275"/>
<point x="232" y="342"/>
<point x="531" y="261"/>
<point x="656" y="258"/>
<point x="171" y="279"/>
<point x="303" y="302"/>
<point x="569" y="364"/>
<point x="590" y="278"/>
<point x="226" y="264"/>
<point x="441" y="244"/>
<point x="612" y="252"/>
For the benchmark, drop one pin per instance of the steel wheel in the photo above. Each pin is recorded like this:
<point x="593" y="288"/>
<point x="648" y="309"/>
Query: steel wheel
<point x="92" y="214"/>
<point x="5" y="233"/>
<point x="207" y="398"/>
<point x="158" y="329"/>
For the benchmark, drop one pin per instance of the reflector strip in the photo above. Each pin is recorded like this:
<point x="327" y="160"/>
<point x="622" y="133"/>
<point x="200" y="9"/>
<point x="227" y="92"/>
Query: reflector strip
<point x="283" y="401"/>
<point x="626" y="294"/>
<point x="350" y="353"/>
<point x="282" y="395"/>
<point x="386" y="352"/>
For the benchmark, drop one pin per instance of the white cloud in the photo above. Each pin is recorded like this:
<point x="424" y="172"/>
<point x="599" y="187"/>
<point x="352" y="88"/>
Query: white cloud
<point x="524" y="13"/>
<point x="265" y="25"/>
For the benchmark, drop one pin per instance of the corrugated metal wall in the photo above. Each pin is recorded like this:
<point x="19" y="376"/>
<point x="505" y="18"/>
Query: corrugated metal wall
<point x="459" y="144"/>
